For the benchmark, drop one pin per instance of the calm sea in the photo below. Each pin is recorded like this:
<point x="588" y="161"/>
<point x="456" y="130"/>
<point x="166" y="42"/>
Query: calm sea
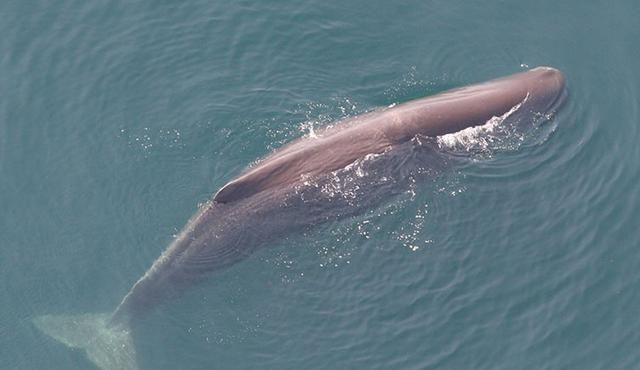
<point x="117" y="118"/>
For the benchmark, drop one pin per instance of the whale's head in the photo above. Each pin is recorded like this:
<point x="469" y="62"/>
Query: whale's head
<point x="522" y="97"/>
<point x="546" y="89"/>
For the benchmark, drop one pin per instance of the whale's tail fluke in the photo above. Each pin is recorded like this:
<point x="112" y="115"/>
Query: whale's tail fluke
<point x="108" y="347"/>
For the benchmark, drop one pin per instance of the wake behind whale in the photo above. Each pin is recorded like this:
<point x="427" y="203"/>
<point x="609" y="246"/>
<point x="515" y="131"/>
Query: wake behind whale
<point x="351" y="166"/>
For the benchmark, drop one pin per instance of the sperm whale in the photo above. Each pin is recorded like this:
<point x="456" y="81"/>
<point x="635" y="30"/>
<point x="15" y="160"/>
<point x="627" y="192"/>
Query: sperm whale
<point x="265" y="202"/>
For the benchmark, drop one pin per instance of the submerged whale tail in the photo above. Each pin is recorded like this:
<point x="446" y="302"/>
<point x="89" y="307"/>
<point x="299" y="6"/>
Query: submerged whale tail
<point x="108" y="347"/>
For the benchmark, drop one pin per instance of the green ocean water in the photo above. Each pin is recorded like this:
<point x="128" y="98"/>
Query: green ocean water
<point x="117" y="118"/>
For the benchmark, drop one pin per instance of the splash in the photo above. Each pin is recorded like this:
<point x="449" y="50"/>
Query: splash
<point x="495" y="134"/>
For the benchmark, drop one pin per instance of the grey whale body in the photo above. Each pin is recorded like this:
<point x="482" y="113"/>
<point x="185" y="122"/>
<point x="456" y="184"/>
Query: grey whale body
<point x="284" y="192"/>
<point x="250" y="209"/>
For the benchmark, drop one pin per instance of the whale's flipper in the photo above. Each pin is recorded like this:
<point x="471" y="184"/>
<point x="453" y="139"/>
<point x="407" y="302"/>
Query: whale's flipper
<point x="109" y="348"/>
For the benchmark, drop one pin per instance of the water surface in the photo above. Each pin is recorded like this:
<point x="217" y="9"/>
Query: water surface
<point x="117" y="118"/>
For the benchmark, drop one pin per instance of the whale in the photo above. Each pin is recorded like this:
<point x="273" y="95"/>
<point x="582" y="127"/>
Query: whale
<point x="293" y="189"/>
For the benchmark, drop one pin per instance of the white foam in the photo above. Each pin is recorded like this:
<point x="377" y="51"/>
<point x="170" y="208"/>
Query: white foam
<point x="477" y="137"/>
